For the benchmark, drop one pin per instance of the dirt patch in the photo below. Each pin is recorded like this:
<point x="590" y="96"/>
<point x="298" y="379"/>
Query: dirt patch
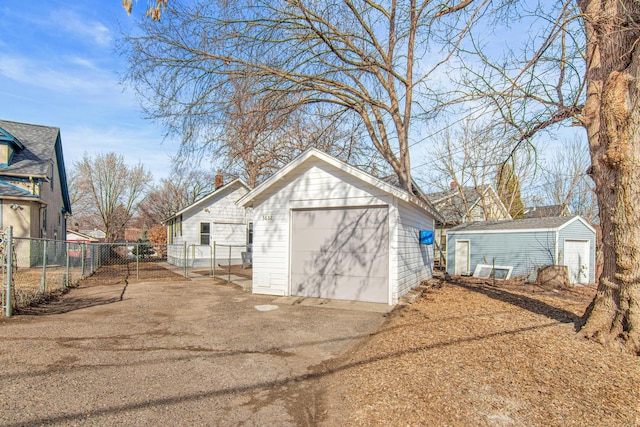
<point x="469" y="353"/>
<point x="119" y="275"/>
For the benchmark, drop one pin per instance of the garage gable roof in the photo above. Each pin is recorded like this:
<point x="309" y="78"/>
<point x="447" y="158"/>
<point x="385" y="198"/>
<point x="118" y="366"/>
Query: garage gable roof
<point x="518" y="225"/>
<point x="248" y="199"/>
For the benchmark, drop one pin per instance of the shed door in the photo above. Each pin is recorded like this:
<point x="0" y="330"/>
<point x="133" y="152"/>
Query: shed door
<point x="576" y="258"/>
<point x="340" y="253"/>
<point x="462" y="257"/>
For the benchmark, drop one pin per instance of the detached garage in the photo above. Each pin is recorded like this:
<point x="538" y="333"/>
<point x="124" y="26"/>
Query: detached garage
<point x="524" y="245"/>
<point x="325" y="229"/>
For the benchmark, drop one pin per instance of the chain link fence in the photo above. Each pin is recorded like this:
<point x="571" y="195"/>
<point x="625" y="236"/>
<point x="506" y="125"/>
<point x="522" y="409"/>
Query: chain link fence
<point x="33" y="270"/>
<point x="217" y="260"/>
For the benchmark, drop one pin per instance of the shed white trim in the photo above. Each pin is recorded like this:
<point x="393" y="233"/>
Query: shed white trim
<point x="523" y="229"/>
<point x="251" y="196"/>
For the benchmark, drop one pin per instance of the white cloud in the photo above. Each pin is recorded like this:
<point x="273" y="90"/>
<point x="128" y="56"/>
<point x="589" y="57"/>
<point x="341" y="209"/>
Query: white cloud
<point x="73" y="77"/>
<point x="82" y="27"/>
<point x="144" y="145"/>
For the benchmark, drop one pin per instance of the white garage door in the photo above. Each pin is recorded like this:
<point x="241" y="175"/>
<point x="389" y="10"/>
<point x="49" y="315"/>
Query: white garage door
<point x="576" y="258"/>
<point x="340" y="253"/>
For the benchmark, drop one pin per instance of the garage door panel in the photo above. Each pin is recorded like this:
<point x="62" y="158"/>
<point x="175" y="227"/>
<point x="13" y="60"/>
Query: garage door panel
<point x="345" y="218"/>
<point x="340" y="253"/>
<point x="326" y="239"/>
<point x="345" y="263"/>
<point x="342" y="287"/>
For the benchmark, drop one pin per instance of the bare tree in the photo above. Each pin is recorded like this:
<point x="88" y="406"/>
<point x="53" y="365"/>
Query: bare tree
<point x="111" y="189"/>
<point x="564" y="180"/>
<point x="368" y="58"/>
<point x="467" y="162"/>
<point x="582" y="66"/>
<point x="174" y="194"/>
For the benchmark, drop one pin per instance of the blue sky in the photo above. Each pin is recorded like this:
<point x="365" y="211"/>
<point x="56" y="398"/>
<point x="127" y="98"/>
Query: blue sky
<point x="58" y="67"/>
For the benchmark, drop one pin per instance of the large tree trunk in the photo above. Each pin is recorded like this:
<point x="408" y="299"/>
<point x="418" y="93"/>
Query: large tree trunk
<point x="612" y="119"/>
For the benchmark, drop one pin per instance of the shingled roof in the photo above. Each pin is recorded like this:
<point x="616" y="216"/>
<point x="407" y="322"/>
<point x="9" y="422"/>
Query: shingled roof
<point x="35" y="147"/>
<point x="39" y="147"/>
<point x="517" y="224"/>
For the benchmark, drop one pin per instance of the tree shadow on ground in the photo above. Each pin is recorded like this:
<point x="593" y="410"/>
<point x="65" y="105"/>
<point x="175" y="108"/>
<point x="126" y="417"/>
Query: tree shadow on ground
<point x="527" y="303"/>
<point x="316" y="373"/>
<point x="66" y="302"/>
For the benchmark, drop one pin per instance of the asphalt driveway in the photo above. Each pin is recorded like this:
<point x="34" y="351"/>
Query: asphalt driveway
<point x="173" y="353"/>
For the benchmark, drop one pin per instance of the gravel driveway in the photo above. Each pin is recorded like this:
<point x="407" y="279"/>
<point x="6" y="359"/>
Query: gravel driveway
<point x="172" y="353"/>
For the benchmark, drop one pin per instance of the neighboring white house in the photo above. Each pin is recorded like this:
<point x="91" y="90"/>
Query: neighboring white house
<point x="216" y="218"/>
<point x="79" y="237"/>
<point x="326" y="229"/>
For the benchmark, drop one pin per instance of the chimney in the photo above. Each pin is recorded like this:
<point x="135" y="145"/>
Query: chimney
<point x="453" y="185"/>
<point x="219" y="181"/>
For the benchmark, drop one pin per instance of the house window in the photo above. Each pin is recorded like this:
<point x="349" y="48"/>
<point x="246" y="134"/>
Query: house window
<point x="250" y="235"/>
<point x="205" y="233"/>
<point x="51" y="171"/>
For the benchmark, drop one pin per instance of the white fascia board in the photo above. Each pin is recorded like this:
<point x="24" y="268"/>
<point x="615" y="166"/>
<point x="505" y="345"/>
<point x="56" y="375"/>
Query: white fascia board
<point x="578" y="218"/>
<point x="513" y="230"/>
<point x="248" y="198"/>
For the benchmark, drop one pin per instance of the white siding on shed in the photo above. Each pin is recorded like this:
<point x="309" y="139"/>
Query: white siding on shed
<point x="415" y="261"/>
<point x="318" y="183"/>
<point x="313" y="185"/>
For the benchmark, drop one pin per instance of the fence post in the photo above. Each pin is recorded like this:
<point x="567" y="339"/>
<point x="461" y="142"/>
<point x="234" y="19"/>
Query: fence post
<point x="210" y="260"/>
<point x="229" y="268"/>
<point x="43" y="279"/>
<point x="184" y="252"/>
<point x="213" y="273"/>
<point x="137" y="260"/>
<point x="66" y="281"/>
<point x="82" y="252"/>
<point x="9" y="254"/>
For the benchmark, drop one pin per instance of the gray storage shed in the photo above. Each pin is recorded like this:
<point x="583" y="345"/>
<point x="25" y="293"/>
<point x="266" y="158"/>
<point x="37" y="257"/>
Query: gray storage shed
<point x="525" y="245"/>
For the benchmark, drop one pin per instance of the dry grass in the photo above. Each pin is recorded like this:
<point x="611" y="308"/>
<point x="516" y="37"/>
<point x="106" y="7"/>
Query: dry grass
<point x="469" y="353"/>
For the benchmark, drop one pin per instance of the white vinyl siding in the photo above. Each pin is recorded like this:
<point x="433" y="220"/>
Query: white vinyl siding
<point x="218" y="210"/>
<point x="415" y="261"/>
<point x="316" y="184"/>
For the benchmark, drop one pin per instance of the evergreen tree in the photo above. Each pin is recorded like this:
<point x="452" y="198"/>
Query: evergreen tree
<point x="508" y="187"/>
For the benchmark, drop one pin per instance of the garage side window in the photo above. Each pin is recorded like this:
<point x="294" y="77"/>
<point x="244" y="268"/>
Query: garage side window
<point x="205" y="233"/>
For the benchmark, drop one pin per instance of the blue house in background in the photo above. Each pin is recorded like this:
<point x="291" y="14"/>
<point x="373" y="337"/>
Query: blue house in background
<point x="525" y="245"/>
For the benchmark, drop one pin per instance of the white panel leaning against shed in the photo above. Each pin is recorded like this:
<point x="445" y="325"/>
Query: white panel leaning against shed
<point x="344" y="225"/>
<point x="213" y="220"/>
